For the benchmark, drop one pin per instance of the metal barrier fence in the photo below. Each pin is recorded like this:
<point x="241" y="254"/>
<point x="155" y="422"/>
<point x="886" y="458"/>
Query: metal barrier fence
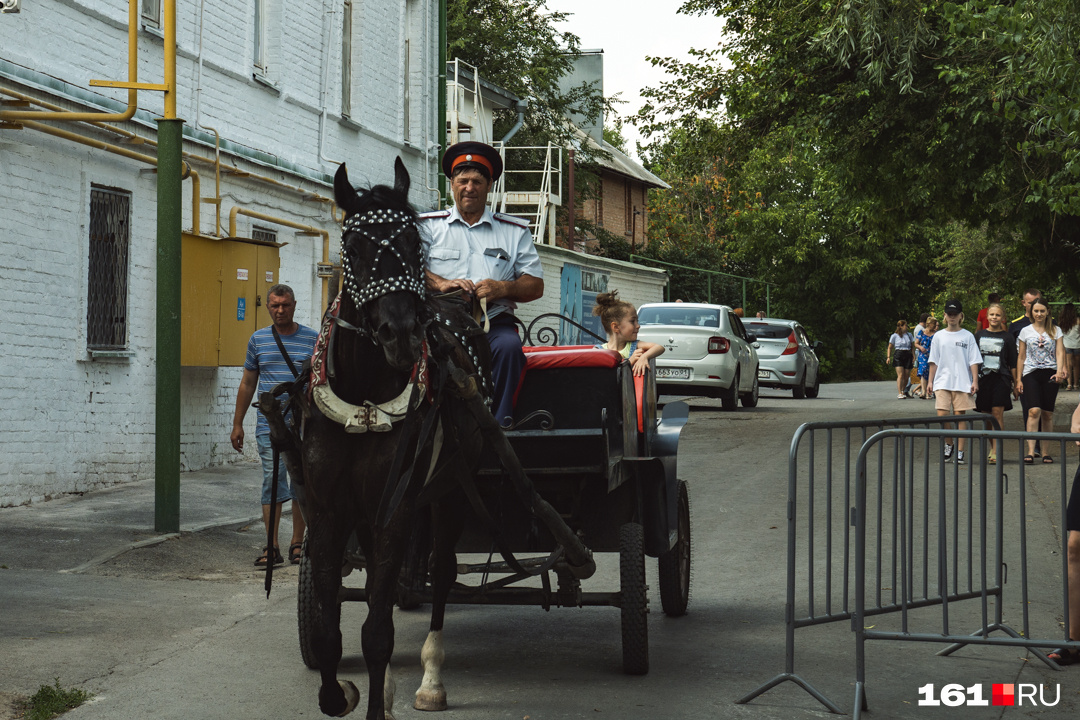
<point x="910" y="537"/>
<point x="956" y="512"/>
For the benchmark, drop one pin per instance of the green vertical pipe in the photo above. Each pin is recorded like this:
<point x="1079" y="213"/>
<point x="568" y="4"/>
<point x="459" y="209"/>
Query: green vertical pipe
<point x="167" y="406"/>
<point x="442" y="98"/>
<point x="744" y="295"/>
<point x="708" y="285"/>
<point x="768" y="302"/>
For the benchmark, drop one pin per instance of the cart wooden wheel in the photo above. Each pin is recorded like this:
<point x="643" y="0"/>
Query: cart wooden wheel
<point x="675" y="563"/>
<point x="633" y="599"/>
<point x="308" y="616"/>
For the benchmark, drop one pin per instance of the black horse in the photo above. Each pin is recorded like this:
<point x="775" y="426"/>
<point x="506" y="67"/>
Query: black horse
<point x="380" y="426"/>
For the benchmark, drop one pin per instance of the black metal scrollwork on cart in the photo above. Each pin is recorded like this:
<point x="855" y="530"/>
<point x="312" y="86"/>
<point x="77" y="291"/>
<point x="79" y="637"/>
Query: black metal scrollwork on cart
<point x="547" y="335"/>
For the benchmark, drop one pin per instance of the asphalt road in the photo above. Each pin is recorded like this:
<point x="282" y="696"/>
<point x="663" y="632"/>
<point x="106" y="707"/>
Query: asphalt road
<point x="180" y="628"/>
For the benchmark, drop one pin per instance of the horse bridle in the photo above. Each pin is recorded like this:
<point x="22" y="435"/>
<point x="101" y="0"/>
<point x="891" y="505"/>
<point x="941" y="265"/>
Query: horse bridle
<point x="408" y="279"/>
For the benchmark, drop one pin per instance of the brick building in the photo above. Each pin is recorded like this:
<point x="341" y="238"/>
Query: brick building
<point x="281" y="93"/>
<point x="620" y="203"/>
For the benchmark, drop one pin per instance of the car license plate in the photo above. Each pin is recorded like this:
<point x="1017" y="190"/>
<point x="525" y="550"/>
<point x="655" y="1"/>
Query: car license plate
<point x="673" y="373"/>
<point x="763" y="374"/>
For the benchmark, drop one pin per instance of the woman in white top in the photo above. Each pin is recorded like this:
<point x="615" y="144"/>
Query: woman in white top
<point x="900" y="355"/>
<point x="1040" y="366"/>
<point x="1070" y="325"/>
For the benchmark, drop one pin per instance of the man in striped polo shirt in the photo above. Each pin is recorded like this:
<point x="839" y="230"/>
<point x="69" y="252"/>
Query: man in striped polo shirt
<point x="264" y="368"/>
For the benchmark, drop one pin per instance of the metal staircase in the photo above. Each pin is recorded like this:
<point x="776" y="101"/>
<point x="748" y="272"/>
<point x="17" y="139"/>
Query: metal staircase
<point x="531" y="186"/>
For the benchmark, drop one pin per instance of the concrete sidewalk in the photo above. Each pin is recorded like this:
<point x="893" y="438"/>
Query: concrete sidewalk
<point x="77" y="532"/>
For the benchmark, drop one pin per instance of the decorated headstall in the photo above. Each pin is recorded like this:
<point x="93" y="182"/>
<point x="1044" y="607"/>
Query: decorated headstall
<point x="408" y="277"/>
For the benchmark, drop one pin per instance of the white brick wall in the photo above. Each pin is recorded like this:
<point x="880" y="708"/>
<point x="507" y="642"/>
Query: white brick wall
<point x="70" y="423"/>
<point x="636" y="284"/>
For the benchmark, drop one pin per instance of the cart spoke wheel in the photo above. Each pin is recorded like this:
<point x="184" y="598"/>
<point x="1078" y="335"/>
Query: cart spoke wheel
<point x="308" y="615"/>
<point x="675" y="563"/>
<point x="633" y="599"/>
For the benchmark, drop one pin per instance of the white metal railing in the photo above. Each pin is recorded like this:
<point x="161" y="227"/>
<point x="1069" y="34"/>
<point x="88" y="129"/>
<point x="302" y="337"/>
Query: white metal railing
<point x="460" y="91"/>
<point x="534" y="193"/>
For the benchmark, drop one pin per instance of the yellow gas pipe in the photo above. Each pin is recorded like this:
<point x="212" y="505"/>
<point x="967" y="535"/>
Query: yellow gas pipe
<point x="124" y="152"/>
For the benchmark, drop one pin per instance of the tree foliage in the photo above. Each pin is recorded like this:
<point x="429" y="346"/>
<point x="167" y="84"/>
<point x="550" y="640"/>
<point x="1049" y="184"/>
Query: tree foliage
<point x="888" y="143"/>
<point x="515" y="45"/>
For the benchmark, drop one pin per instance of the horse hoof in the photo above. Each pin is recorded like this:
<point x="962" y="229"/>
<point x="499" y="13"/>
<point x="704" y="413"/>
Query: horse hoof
<point x="352" y="697"/>
<point x="430" y="700"/>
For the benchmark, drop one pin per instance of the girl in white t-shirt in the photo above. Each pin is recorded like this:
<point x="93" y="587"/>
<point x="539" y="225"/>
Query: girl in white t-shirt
<point x="1040" y="367"/>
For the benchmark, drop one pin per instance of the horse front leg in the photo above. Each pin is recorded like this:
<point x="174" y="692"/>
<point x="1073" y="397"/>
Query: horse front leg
<point x="446" y="529"/>
<point x="377" y="634"/>
<point x="326" y="549"/>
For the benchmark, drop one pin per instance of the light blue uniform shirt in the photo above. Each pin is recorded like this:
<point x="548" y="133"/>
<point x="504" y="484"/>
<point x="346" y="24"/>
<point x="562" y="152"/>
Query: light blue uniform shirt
<point x="497" y="247"/>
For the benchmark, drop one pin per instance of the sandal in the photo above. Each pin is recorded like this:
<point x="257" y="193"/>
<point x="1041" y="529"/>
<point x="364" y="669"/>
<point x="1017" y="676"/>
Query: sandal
<point x="295" y="552"/>
<point x="991" y="459"/>
<point x="1047" y="460"/>
<point x="1064" y="656"/>
<point x="261" y="560"/>
<point x="1029" y="460"/>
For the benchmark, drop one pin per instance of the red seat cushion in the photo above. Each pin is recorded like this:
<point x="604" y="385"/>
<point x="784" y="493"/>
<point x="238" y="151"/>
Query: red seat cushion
<point x="538" y="358"/>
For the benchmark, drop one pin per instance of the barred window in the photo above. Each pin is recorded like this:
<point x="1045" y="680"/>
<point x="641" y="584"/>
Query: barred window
<point x="151" y="13"/>
<point x="107" y="285"/>
<point x="263" y="234"/>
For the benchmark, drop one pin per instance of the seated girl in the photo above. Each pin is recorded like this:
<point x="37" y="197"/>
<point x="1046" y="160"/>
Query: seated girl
<point x="620" y="322"/>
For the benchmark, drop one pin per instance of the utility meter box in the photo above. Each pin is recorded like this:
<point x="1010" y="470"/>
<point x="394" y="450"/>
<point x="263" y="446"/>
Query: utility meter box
<point x="224" y="283"/>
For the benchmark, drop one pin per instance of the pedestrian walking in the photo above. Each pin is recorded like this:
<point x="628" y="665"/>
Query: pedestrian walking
<point x="1030" y="295"/>
<point x="899" y="355"/>
<point x="982" y="322"/>
<point x="923" y="342"/>
<point x="1041" y="365"/>
<point x="274" y="355"/>
<point x="954" y="373"/>
<point x="998" y="370"/>
<point x="1070" y="325"/>
<point x="1069" y="656"/>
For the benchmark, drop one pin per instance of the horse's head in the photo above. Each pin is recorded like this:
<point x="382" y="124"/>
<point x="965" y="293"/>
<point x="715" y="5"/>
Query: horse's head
<point x="383" y="265"/>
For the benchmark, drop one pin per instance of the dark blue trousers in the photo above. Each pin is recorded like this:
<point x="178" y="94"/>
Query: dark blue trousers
<point x="507" y="364"/>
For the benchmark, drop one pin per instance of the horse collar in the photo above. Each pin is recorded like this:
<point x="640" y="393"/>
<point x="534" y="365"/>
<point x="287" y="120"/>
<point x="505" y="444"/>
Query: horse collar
<point x="376" y="417"/>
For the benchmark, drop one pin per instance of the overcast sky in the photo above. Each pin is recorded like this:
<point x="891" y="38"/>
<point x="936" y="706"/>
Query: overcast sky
<point x="627" y="34"/>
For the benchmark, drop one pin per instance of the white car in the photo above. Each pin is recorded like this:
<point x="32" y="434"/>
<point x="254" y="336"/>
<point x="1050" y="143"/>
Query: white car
<point x="707" y="351"/>
<point x="789" y="360"/>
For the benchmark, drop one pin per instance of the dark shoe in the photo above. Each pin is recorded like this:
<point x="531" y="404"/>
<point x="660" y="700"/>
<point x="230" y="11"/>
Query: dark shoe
<point x="261" y="560"/>
<point x="295" y="551"/>
<point x="1029" y="460"/>
<point x="1048" y="460"/>
<point x="1065" y="656"/>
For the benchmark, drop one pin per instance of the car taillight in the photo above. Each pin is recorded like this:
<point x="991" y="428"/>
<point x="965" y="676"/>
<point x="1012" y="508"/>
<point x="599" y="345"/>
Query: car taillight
<point x="718" y="345"/>
<point x="792" y="345"/>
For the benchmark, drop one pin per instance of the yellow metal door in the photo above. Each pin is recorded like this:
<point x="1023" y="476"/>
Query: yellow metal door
<point x="200" y="300"/>
<point x="239" y="312"/>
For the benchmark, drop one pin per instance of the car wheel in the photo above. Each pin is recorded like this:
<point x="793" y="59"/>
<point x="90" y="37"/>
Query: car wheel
<point x="750" y="399"/>
<point x="812" y="391"/>
<point x="729" y="398"/>
<point x="799" y="391"/>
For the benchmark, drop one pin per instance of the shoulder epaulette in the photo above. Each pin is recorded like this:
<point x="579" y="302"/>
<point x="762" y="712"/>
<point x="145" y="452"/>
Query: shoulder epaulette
<point x="512" y="219"/>
<point x="434" y="214"/>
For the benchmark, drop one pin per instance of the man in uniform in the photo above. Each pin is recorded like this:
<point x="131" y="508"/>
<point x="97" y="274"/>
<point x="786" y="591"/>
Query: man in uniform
<point x="264" y="368"/>
<point x="489" y="255"/>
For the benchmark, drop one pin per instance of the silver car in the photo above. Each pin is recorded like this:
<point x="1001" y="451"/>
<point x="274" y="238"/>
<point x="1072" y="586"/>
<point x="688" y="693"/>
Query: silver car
<point x="706" y="352"/>
<point x="788" y="359"/>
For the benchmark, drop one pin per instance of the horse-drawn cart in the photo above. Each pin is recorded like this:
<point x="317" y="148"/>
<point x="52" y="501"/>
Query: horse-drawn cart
<point x="588" y="440"/>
